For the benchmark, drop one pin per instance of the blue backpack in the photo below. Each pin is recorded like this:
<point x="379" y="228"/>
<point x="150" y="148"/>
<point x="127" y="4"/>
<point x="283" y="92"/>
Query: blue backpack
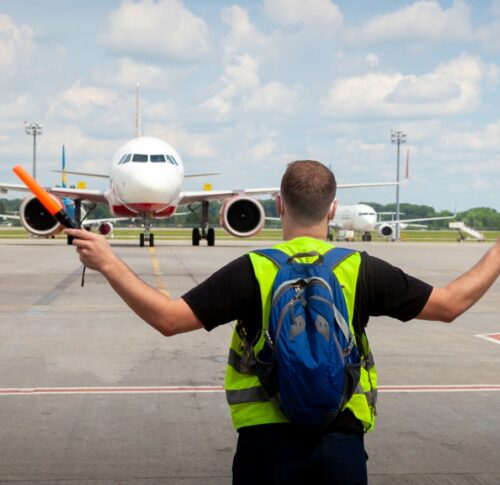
<point x="309" y="364"/>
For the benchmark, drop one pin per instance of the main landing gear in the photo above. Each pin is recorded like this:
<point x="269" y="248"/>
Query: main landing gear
<point x="204" y="232"/>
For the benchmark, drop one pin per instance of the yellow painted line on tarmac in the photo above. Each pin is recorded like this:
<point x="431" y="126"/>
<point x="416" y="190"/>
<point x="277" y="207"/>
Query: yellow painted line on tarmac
<point x="160" y="283"/>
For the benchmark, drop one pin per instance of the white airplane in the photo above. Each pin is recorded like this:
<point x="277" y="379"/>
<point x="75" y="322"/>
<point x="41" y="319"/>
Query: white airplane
<point x="146" y="177"/>
<point x="363" y="218"/>
<point x="4" y="220"/>
<point x="145" y="182"/>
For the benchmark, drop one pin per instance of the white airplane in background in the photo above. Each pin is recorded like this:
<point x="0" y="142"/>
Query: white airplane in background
<point x="145" y="182"/>
<point x="363" y="218"/>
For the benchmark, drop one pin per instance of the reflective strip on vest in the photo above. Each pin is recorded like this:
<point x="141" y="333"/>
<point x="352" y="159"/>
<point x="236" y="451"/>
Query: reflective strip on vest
<point x="371" y="396"/>
<point x="242" y="396"/>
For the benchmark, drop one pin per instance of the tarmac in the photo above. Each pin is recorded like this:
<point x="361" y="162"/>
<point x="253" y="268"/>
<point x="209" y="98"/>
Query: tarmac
<point x="91" y="394"/>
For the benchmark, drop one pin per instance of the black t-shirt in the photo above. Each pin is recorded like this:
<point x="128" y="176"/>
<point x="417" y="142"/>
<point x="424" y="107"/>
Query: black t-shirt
<point x="233" y="293"/>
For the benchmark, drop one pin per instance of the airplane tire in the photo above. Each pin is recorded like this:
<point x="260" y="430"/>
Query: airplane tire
<point x="211" y="236"/>
<point x="196" y="236"/>
<point x="141" y="240"/>
<point x="151" y="240"/>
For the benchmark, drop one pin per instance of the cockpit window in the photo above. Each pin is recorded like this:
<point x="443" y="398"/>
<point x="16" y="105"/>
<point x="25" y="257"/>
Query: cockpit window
<point x="157" y="158"/>
<point x="171" y="159"/>
<point x="126" y="158"/>
<point x="140" y="158"/>
<point x="121" y="159"/>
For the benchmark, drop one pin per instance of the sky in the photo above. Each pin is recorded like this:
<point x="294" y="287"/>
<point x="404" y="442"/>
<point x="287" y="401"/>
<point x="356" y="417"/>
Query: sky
<point x="243" y="88"/>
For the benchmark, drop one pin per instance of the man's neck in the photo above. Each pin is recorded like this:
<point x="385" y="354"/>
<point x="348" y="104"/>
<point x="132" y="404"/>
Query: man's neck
<point x="317" y="232"/>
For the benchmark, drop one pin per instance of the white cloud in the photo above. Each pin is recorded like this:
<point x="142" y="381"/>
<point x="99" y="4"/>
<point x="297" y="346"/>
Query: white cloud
<point x="80" y="101"/>
<point x="189" y="145"/>
<point x="485" y="140"/>
<point x="273" y="96"/>
<point x="372" y="59"/>
<point x="243" y="35"/>
<point x="159" y="110"/>
<point x="452" y="88"/>
<point x="20" y="107"/>
<point x="423" y="21"/>
<point x="239" y="77"/>
<point x="127" y="72"/>
<point x="219" y="105"/>
<point x="424" y="89"/>
<point x="321" y="14"/>
<point x="16" y="41"/>
<point x="264" y="148"/>
<point x="162" y="28"/>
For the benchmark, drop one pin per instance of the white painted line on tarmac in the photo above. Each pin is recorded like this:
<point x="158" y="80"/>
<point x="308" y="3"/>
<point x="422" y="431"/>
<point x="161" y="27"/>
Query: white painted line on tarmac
<point x="41" y="391"/>
<point x="490" y="337"/>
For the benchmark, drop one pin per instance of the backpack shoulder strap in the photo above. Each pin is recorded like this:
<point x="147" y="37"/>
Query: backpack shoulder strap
<point x="333" y="257"/>
<point x="278" y="257"/>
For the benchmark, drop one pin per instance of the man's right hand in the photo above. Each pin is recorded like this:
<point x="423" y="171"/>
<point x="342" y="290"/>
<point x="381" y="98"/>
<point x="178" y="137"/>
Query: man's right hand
<point x="93" y="249"/>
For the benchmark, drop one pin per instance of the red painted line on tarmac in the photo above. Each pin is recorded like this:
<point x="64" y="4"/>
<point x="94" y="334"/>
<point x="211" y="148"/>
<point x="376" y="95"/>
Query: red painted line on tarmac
<point x="38" y="391"/>
<point x="110" y="390"/>
<point x="442" y="388"/>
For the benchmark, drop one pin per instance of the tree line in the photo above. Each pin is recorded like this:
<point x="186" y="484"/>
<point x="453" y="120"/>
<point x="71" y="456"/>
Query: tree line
<point x="480" y="218"/>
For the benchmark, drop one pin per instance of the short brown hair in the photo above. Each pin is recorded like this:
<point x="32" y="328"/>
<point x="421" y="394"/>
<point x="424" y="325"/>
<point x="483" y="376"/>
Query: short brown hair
<point x="308" y="189"/>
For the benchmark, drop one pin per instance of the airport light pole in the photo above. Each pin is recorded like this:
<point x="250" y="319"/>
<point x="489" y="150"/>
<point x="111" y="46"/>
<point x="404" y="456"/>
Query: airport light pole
<point x="33" y="129"/>
<point x="398" y="137"/>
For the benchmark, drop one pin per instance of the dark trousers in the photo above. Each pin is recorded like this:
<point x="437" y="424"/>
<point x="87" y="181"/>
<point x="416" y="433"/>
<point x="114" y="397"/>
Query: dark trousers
<point x="281" y="455"/>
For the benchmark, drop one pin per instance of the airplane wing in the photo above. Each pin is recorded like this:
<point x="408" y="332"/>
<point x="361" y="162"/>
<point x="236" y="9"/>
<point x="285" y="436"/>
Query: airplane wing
<point x="420" y="219"/>
<point x="4" y="188"/>
<point x="194" y="175"/>
<point x="208" y="195"/>
<point x="81" y="194"/>
<point x="204" y="195"/>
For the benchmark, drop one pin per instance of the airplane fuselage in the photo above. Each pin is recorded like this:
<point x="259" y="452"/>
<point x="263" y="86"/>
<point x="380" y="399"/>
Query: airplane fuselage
<point x="356" y="217"/>
<point x="145" y="179"/>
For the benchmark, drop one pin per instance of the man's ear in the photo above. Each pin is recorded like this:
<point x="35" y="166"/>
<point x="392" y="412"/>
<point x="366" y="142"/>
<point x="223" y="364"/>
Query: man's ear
<point x="332" y="209"/>
<point x="279" y="205"/>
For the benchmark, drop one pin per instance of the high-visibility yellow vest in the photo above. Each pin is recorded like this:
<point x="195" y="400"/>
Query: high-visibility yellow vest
<point x="247" y="400"/>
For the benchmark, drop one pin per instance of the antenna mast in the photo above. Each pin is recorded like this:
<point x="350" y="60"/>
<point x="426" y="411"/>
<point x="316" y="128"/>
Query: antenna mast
<point x="137" y="113"/>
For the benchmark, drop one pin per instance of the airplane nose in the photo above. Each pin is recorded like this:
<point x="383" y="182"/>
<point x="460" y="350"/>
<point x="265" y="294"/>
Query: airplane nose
<point x="150" y="184"/>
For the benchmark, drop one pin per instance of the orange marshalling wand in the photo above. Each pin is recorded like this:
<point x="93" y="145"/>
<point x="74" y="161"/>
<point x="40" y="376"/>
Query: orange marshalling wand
<point x="52" y="205"/>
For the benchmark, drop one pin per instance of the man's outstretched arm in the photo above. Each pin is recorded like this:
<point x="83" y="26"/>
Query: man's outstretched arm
<point x="446" y="304"/>
<point x="168" y="316"/>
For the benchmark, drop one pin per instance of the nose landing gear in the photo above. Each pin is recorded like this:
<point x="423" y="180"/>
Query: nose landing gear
<point x="147" y="235"/>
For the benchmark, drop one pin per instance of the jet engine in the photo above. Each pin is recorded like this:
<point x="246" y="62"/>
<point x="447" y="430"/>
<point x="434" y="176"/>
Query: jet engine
<point x="242" y="216"/>
<point x="105" y="228"/>
<point x="36" y="219"/>
<point x="385" y="230"/>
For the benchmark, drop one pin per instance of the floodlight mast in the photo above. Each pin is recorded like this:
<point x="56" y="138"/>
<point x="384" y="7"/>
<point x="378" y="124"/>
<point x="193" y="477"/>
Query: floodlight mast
<point x="33" y="129"/>
<point x="398" y="137"/>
